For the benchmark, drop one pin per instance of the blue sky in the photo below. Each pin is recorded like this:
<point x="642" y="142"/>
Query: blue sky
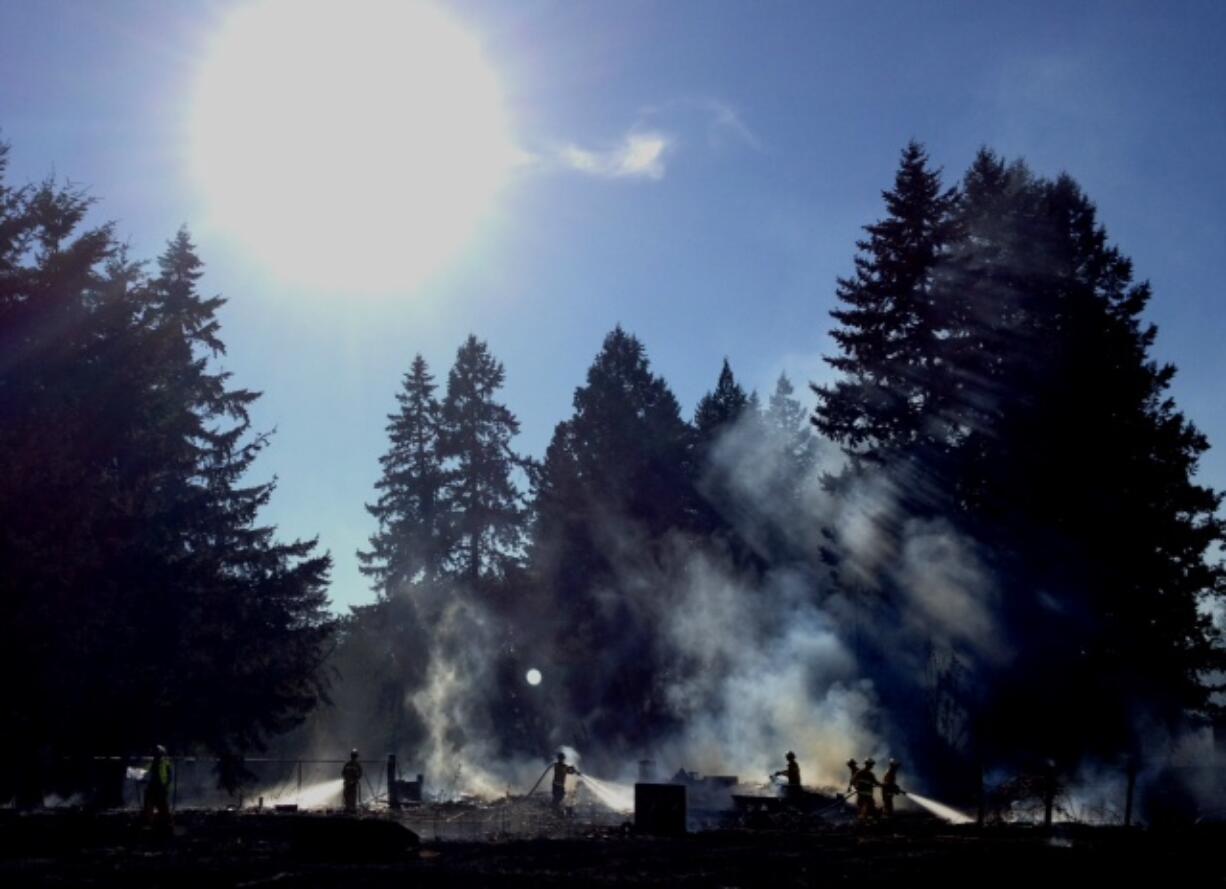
<point x="763" y="134"/>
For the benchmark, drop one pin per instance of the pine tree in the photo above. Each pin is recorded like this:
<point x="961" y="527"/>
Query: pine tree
<point x="615" y="483"/>
<point x="785" y="422"/>
<point x="142" y="600"/>
<point x="1079" y="471"/>
<point x="889" y="323"/>
<point x="724" y="411"/>
<point x="249" y="613"/>
<point x="626" y="445"/>
<point x="55" y="545"/>
<point x="1029" y="403"/>
<point x="720" y="408"/>
<point x="413" y="541"/>
<point x="484" y="505"/>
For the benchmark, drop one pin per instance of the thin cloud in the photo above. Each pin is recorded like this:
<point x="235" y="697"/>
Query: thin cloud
<point x="721" y="120"/>
<point x="727" y="121"/>
<point x="639" y="155"/>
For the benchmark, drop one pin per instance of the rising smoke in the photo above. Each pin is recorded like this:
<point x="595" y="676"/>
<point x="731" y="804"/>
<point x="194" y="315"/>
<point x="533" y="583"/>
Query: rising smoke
<point x="856" y="627"/>
<point x="752" y="660"/>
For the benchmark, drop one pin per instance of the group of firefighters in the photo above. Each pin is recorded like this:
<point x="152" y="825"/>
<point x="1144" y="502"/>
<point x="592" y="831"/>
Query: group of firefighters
<point x="863" y="783"/>
<point x="158" y="787"/>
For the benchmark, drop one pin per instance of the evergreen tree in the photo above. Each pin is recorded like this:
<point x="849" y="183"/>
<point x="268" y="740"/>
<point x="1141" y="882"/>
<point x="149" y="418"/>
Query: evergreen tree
<point x="1079" y="472"/>
<point x="785" y="422"/>
<point x="240" y="619"/>
<point x="413" y="541"/>
<point x="1031" y="408"/>
<point x="889" y="323"/>
<point x="615" y="483"/>
<point x="626" y="446"/>
<point x="485" y="509"/>
<point x="726" y="410"/>
<point x="720" y="408"/>
<point x="143" y="601"/>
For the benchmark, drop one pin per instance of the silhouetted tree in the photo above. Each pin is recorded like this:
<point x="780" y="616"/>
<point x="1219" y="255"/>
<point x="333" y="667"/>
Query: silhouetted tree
<point x="413" y="542"/>
<point x="615" y="482"/>
<point x="142" y="599"/>
<point x="1002" y="381"/>
<point x="1079" y="471"/>
<point x="722" y="414"/>
<point x="720" y="407"/>
<point x="485" y="507"/>
<point x="888" y="353"/>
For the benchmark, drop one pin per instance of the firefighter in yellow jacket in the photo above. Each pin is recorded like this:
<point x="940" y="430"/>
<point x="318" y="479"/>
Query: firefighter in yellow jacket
<point x="351" y="774"/>
<point x="157" y="789"/>
<point x="863" y="783"/>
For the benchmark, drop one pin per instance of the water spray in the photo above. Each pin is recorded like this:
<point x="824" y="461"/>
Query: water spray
<point x="942" y="811"/>
<point x="618" y="797"/>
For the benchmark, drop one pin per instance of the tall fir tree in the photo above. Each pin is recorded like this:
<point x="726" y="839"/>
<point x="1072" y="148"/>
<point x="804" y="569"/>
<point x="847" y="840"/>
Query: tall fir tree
<point x="889" y="321"/>
<point x="1079" y="471"/>
<point x="724" y="411"/>
<point x="485" y="507"/>
<point x="792" y="436"/>
<point x="1050" y="442"/>
<point x="721" y="407"/>
<point x="413" y="543"/>
<point x="256" y="606"/>
<point x="142" y="599"/>
<point x="616" y="482"/>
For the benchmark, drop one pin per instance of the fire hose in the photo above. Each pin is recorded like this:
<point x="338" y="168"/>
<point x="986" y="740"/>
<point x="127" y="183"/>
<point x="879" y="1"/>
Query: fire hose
<point x="577" y="774"/>
<point x="839" y="800"/>
<point x="539" y="780"/>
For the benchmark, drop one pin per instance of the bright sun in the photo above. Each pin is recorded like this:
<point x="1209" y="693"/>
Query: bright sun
<point x="347" y="145"/>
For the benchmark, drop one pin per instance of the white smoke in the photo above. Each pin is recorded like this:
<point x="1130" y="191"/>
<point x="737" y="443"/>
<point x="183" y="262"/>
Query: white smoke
<point x="770" y="674"/>
<point x="758" y="661"/>
<point x="951" y="597"/>
<point x="460" y="749"/>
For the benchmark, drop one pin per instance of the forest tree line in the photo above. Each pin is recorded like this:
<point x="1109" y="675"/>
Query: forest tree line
<point x="993" y="378"/>
<point x="993" y="375"/>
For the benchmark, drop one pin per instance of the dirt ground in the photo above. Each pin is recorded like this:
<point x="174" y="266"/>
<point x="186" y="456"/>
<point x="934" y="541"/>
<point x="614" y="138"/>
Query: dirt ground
<point x="241" y="850"/>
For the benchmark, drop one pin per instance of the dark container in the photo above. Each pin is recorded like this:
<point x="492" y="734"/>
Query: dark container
<point x="659" y="809"/>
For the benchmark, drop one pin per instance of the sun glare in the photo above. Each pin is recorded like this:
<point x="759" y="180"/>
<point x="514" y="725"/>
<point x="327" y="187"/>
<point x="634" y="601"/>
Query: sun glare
<point x="347" y="145"/>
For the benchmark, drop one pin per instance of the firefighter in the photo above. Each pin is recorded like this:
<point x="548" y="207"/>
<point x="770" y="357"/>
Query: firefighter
<point x="157" y="789"/>
<point x="852" y="768"/>
<point x="792" y="791"/>
<point x="863" y="782"/>
<point x="889" y="787"/>
<point x="351" y="774"/>
<point x="560" y="770"/>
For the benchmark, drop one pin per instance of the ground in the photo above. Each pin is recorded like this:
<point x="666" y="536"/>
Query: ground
<point x="242" y="850"/>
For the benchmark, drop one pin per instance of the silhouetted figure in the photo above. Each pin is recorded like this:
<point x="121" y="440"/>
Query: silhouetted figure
<point x="157" y="791"/>
<point x="1049" y="792"/>
<point x="351" y="774"/>
<point x="889" y="787"/>
<point x="560" y="770"/>
<point x="863" y="782"/>
<point x="852" y="768"/>
<point x="792" y="791"/>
